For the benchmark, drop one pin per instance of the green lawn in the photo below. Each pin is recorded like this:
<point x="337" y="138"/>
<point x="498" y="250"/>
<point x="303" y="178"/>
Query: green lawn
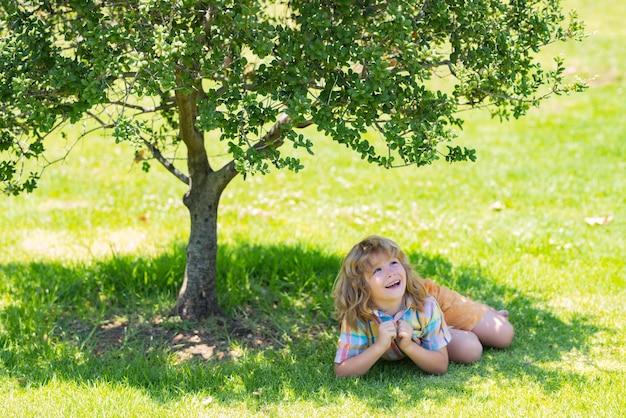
<point x="91" y="262"/>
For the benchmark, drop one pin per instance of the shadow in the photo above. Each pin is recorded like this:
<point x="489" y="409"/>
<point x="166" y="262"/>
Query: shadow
<point x="108" y="321"/>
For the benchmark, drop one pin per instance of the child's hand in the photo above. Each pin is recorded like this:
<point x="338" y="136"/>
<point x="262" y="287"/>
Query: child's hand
<point x="386" y="333"/>
<point x="405" y="334"/>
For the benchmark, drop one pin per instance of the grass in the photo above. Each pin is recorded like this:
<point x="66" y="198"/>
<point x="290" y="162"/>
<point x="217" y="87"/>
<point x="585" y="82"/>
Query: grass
<point x="90" y="265"/>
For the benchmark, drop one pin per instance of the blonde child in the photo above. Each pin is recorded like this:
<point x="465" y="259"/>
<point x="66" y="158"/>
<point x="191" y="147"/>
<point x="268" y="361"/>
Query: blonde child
<point x="385" y="311"/>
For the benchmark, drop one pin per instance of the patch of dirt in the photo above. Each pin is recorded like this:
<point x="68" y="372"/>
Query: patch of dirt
<point x="211" y="340"/>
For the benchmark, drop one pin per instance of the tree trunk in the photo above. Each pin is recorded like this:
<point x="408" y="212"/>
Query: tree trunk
<point x="197" y="298"/>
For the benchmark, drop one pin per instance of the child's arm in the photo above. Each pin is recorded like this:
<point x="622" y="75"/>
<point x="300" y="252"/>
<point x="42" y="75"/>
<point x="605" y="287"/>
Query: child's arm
<point x="360" y="364"/>
<point x="434" y="362"/>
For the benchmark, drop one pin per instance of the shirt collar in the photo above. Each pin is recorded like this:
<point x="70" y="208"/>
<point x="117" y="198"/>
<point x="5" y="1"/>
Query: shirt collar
<point x="383" y="317"/>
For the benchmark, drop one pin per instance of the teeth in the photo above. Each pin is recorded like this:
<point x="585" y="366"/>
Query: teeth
<point x="393" y="284"/>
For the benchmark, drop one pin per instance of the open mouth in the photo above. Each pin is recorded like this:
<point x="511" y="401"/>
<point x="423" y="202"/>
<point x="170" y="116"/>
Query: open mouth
<point x="393" y="284"/>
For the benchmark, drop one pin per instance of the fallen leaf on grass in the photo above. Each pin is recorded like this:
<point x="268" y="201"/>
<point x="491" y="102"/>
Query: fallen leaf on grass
<point x="497" y="206"/>
<point x="598" y="220"/>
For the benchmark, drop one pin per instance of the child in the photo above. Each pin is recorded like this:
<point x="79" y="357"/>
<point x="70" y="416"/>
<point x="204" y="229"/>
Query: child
<point x="385" y="311"/>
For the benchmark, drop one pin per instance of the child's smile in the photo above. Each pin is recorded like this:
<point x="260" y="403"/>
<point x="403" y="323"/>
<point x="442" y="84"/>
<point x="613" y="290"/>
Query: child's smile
<point x="393" y="284"/>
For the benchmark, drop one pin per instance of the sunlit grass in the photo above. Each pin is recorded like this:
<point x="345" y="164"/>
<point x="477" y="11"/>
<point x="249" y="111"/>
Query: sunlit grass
<point x="91" y="262"/>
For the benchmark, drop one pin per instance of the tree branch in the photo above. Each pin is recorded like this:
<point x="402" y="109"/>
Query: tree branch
<point x="165" y="162"/>
<point x="143" y="109"/>
<point x="272" y="138"/>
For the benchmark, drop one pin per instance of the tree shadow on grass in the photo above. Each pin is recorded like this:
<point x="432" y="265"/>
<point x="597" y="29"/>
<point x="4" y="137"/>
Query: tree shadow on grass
<point x="107" y="321"/>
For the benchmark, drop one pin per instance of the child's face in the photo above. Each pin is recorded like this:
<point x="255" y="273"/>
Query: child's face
<point x="386" y="280"/>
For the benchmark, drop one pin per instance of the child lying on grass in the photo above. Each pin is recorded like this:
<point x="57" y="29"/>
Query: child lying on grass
<point x="387" y="311"/>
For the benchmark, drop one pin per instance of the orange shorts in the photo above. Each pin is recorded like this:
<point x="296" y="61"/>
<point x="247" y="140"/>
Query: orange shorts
<point x="458" y="311"/>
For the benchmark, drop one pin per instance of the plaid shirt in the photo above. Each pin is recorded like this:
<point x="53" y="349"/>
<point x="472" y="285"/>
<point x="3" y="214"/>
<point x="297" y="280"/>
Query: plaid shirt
<point x="429" y="331"/>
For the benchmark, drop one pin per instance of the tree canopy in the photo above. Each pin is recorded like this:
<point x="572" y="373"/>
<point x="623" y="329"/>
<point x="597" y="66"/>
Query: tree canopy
<point x="169" y="75"/>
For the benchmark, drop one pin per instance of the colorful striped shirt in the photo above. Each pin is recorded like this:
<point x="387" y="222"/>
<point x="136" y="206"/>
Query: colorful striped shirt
<point x="429" y="331"/>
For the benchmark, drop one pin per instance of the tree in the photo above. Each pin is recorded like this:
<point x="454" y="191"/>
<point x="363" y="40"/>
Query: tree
<point x="165" y="75"/>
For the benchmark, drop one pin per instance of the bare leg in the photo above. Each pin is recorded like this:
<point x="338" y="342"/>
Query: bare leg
<point x="494" y="329"/>
<point x="464" y="347"/>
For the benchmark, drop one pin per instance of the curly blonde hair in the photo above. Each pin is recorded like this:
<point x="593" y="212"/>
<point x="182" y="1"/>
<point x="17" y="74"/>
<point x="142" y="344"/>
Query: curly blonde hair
<point x="351" y="291"/>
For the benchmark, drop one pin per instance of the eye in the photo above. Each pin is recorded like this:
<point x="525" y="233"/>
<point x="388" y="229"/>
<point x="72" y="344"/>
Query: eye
<point x="394" y="262"/>
<point x="377" y="270"/>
